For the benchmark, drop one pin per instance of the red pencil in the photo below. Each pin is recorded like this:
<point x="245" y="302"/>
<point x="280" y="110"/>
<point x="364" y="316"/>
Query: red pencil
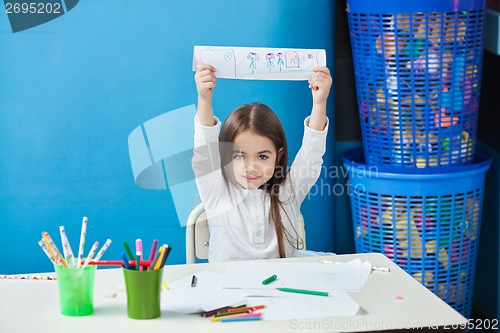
<point x="118" y="263"/>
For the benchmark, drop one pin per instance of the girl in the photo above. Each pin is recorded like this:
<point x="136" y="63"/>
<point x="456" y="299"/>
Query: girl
<point x="251" y="200"/>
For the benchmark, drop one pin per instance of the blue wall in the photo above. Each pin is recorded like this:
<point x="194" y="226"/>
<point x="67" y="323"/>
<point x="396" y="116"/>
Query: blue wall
<point x="73" y="89"/>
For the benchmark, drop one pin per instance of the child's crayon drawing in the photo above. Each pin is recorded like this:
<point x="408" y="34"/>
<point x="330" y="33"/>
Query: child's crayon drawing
<point x="243" y="62"/>
<point x="270" y="63"/>
<point x="253" y="57"/>
<point x="280" y="59"/>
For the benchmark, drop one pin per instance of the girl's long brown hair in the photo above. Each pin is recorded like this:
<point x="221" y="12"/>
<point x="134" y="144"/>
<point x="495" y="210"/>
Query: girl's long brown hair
<point x="260" y="119"/>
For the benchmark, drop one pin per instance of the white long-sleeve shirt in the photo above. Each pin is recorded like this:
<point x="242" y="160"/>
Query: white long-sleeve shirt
<point x="238" y="218"/>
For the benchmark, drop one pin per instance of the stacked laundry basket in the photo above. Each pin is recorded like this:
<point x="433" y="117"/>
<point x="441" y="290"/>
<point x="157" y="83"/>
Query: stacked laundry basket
<point x="417" y="185"/>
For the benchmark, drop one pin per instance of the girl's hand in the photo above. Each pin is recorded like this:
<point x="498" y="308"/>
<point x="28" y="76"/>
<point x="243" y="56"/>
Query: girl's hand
<point x="320" y="83"/>
<point x="205" y="81"/>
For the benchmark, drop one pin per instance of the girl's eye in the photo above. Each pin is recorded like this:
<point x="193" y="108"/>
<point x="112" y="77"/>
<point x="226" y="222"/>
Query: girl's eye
<point x="238" y="157"/>
<point x="263" y="157"/>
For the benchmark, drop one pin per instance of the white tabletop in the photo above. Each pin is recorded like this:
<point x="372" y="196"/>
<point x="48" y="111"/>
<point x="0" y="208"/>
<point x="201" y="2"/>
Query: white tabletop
<point x="33" y="306"/>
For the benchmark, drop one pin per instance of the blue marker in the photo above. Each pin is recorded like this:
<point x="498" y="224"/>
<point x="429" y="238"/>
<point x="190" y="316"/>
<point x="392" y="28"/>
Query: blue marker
<point x="125" y="260"/>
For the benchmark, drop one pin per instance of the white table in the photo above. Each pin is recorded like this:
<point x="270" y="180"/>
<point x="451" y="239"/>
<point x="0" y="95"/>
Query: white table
<point x="33" y="306"/>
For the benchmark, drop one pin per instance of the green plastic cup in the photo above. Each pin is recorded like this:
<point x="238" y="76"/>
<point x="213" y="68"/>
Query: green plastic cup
<point x="143" y="293"/>
<point x="76" y="290"/>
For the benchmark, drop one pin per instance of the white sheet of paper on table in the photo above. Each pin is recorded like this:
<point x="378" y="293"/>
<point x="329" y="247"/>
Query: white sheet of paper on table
<point x="207" y="295"/>
<point x="340" y="304"/>
<point x="349" y="276"/>
<point x="257" y="63"/>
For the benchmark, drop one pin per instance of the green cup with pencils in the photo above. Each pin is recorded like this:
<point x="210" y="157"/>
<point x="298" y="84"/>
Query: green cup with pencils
<point x="143" y="280"/>
<point x="143" y="293"/>
<point x="76" y="290"/>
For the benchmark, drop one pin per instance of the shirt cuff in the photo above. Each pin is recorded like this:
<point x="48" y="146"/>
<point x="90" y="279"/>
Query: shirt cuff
<point x="307" y="128"/>
<point x="197" y="123"/>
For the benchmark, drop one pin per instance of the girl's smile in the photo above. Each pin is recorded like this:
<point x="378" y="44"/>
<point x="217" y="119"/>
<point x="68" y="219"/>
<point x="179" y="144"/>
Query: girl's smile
<point x="254" y="159"/>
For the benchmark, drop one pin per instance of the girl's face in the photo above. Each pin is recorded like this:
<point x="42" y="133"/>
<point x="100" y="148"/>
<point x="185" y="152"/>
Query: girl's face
<point x="253" y="159"/>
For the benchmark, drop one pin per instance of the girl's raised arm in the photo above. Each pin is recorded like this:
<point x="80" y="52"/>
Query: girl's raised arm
<point x="320" y="84"/>
<point x="205" y="82"/>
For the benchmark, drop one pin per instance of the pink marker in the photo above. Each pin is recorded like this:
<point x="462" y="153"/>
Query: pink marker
<point x="138" y="252"/>
<point x="138" y="245"/>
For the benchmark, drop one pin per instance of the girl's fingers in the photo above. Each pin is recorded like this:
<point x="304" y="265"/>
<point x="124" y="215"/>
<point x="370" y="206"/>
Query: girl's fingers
<point x="208" y="85"/>
<point x="205" y="72"/>
<point x="202" y="67"/>
<point x="321" y="69"/>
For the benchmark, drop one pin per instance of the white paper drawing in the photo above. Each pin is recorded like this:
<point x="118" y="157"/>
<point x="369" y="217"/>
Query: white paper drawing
<point x="255" y="63"/>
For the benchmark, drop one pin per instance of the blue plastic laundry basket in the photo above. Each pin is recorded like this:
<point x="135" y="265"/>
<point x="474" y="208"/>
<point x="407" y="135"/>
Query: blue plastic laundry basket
<point x="426" y="223"/>
<point x="418" y="70"/>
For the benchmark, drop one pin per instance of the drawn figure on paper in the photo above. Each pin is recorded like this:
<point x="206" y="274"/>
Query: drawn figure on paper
<point x="280" y="59"/>
<point x="214" y="56"/>
<point x="228" y="56"/>
<point x="292" y="59"/>
<point x="270" y="63"/>
<point x="253" y="57"/>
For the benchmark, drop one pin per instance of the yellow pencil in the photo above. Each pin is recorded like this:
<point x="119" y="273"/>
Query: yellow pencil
<point x="157" y="264"/>
<point x="254" y="314"/>
<point x="53" y="249"/>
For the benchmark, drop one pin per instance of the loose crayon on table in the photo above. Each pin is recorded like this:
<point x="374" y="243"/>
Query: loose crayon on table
<point x="250" y="308"/>
<point x="228" y="320"/>
<point x="381" y="269"/>
<point x="269" y="279"/>
<point x="193" y="281"/>
<point x="222" y="309"/>
<point x="82" y="241"/>
<point x="304" y="291"/>
<point x="153" y="249"/>
<point x="235" y="312"/>
<point x="239" y="315"/>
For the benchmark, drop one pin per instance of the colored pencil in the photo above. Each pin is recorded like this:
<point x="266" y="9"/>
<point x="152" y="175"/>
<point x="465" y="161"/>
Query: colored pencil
<point x="44" y="248"/>
<point x="153" y="249"/>
<point x="91" y="254"/>
<point x="117" y="262"/>
<point x="251" y="308"/>
<point x="124" y="262"/>
<point x="81" y="245"/>
<point x="103" y="249"/>
<point x="228" y="320"/>
<point x="246" y="315"/>
<point x="68" y="252"/>
<point x="128" y="251"/>
<point x="54" y="248"/>
<point x="304" y="291"/>
<point x="157" y="264"/>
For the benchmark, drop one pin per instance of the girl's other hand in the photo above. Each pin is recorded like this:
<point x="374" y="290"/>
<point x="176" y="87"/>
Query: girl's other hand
<point x="205" y="81"/>
<point x="320" y="83"/>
